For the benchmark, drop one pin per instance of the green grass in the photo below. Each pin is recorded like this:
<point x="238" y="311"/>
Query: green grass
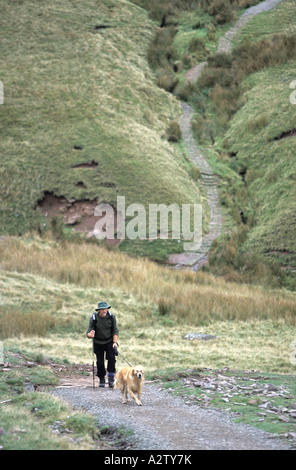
<point x="268" y="113"/>
<point x="270" y="163"/>
<point x="266" y="24"/>
<point x="31" y="420"/>
<point x="66" y="85"/>
<point x="246" y="99"/>
<point x="242" y="393"/>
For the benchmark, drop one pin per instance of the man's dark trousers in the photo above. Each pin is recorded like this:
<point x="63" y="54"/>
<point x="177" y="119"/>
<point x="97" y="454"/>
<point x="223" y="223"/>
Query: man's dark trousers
<point x="100" y="350"/>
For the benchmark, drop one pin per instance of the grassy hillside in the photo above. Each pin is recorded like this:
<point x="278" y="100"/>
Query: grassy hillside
<point x="247" y="122"/>
<point x="78" y="90"/>
<point x="259" y="134"/>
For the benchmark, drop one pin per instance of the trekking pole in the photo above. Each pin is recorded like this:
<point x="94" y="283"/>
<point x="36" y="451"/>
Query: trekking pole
<point x="93" y="364"/>
<point x="94" y="322"/>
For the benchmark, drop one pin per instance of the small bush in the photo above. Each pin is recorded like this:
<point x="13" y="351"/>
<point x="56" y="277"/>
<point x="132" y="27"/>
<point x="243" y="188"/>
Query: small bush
<point x="164" y="307"/>
<point x="184" y="90"/>
<point x="221" y="59"/>
<point x="187" y="61"/>
<point x="195" y="173"/>
<point x="258" y="123"/>
<point x="201" y="129"/>
<point x="161" y="51"/>
<point x="166" y="79"/>
<point x="221" y="10"/>
<point x="196" y="45"/>
<point x="82" y="424"/>
<point x="174" y="132"/>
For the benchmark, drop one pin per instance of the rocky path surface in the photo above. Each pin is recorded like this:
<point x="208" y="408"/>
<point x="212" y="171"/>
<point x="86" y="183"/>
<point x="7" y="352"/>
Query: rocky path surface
<point x="165" y="422"/>
<point x="208" y="179"/>
<point x="196" y="259"/>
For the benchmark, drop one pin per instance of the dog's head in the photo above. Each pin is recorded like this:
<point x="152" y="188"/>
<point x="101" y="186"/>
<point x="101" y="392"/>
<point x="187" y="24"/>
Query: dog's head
<point x="138" y="372"/>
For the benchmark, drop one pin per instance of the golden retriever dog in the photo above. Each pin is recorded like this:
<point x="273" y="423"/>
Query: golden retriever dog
<point x="130" y="380"/>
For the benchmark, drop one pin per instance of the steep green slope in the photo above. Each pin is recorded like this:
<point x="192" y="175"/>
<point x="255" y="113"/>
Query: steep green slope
<point x="262" y="135"/>
<point x="257" y="137"/>
<point x="78" y="91"/>
<point x="246" y="119"/>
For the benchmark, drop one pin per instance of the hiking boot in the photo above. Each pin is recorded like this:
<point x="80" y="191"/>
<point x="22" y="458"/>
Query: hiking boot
<point x="111" y="380"/>
<point x="102" y="382"/>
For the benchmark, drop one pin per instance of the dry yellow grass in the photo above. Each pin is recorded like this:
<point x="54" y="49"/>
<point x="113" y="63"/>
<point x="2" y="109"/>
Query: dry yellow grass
<point x="254" y="327"/>
<point x="198" y="297"/>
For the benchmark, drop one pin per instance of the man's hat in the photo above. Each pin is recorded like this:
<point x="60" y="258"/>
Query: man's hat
<point x="102" y="305"/>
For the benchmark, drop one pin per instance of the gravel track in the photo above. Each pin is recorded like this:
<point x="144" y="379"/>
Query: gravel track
<point x="165" y="422"/>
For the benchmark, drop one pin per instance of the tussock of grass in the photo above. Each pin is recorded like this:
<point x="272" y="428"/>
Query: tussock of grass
<point x="29" y="323"/>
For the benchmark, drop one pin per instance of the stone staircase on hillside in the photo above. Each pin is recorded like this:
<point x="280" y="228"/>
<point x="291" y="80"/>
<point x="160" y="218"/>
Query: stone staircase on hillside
<point x="208" y="179"/>
<point x="209" y="182"/>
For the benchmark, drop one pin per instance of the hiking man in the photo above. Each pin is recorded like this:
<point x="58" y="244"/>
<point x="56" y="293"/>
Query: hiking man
<point x="104" y="332"/>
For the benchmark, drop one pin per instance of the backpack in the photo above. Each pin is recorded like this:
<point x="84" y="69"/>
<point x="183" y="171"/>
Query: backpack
<point x="94" y="319"/>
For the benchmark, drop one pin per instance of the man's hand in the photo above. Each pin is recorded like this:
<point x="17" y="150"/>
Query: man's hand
<point x="91" y="334"/>
<point x="115" y="346"/>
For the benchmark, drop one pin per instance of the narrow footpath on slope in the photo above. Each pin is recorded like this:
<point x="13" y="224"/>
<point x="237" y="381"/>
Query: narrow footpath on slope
<point x="195" y="259"/>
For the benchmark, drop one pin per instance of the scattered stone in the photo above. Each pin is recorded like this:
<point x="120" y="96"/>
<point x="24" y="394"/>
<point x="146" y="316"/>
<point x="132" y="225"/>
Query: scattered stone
<point x="253" y="402"/>
<point x="265" y="405"/>
<point x="33" y="410"/>
<point x="6" y="401"/>
<point x="199" y="336"/>
<point x="196" y="383"/>
<point x="284" y="418"/>
<point x="29" y="387"/>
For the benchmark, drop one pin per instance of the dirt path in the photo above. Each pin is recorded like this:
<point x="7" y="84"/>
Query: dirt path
<point x="208" y="179"/>
<point x="165" y="422"/>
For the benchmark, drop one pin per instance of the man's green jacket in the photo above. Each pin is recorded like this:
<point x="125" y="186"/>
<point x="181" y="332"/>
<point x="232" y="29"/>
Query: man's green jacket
<point x="105" y="328"/>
